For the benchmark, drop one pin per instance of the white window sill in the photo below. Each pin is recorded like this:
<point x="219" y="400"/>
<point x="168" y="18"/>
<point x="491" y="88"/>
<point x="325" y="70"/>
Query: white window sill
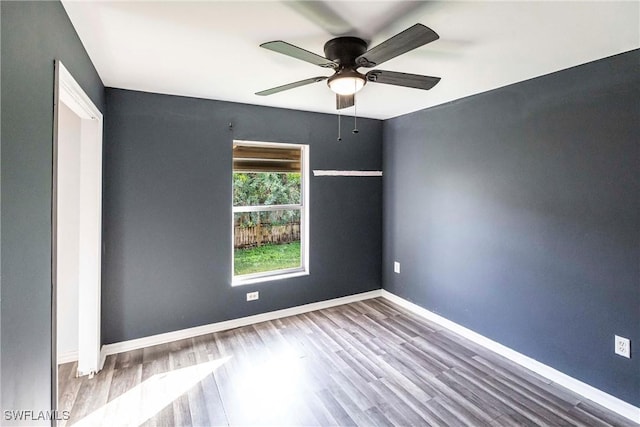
<point x="252" y="279"/>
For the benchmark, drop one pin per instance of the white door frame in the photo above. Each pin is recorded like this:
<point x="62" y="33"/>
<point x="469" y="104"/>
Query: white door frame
<point x="69" y="92"/>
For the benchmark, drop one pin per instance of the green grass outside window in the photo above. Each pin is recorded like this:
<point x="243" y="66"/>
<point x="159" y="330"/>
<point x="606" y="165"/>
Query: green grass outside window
<point x="266" y="258"/>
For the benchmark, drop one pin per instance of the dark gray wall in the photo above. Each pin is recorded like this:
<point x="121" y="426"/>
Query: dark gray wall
<point x="167" y="212"/>
<point x="516" y="213"/>
<point x="33" y="34"/>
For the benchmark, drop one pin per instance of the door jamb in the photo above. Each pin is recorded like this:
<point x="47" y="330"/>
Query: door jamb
<point x="67" y="90"/>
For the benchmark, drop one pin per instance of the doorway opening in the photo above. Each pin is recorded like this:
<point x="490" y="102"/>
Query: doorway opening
<point x="77" y="229"/>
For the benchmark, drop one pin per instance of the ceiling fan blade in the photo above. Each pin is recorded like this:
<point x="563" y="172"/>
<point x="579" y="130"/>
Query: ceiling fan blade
<point x="299" y="53"/>
<point x="322" y="15"/>
<point x="416" y="81"/>
<point x="291" y="86"/>
<point x="409" y="39"/>
<point x="344" y="101"/>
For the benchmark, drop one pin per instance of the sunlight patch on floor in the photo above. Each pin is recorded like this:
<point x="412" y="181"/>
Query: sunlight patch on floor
<point x="145" y="400"/>
<point x="272" y="385"/>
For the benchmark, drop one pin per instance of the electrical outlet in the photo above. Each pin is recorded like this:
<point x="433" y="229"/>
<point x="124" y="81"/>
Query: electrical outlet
<point x="252" y="296"/>
<point x="623" y="347"/>
<point x="396" y="267"/>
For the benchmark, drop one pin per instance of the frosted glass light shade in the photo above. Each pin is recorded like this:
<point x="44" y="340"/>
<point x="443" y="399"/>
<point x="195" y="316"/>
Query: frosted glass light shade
<point x="346" y="85"/>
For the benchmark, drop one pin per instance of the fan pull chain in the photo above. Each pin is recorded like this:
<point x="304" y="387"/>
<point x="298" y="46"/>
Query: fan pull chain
<point x="355" y="114"/>
<point x="339" y="116"/>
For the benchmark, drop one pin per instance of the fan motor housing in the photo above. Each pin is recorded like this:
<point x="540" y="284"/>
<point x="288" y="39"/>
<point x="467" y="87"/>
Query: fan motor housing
<point x="345" y="50"/>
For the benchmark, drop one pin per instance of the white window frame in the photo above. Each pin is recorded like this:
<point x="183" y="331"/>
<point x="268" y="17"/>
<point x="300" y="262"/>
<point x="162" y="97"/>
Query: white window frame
<point x="303" y="269"/>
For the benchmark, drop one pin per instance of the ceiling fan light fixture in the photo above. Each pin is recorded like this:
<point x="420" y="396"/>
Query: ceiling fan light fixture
<point x="346" y="82"/>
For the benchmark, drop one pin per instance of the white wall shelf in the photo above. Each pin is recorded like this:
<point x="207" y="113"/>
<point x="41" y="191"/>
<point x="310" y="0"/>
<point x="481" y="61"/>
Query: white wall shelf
<point x="318" y="172"/>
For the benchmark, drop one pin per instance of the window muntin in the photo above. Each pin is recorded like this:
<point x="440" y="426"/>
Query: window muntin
<point x="270" y="220"/>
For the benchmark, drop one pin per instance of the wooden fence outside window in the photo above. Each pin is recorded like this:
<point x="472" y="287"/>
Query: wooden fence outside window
<point x="262" y="234"/>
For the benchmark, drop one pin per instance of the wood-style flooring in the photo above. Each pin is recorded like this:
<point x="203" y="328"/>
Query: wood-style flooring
<point x="368" y="363"/>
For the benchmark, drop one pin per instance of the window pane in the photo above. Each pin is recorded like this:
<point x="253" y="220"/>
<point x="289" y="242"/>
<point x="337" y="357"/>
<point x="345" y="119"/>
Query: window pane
<point x="266" y="188"/>
<point x="266" y="241"/>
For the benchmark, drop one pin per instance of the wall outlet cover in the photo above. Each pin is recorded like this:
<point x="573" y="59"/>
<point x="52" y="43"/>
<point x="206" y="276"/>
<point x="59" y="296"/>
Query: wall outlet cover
<point x="623" y="347"/>
<point x="396" y="267"/>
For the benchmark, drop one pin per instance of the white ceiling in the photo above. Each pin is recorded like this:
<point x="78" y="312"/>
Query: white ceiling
<point x="209" y="49"/>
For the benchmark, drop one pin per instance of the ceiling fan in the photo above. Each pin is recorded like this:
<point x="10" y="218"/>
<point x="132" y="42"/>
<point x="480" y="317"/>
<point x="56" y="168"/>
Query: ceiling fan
<point x="346" y="54"/>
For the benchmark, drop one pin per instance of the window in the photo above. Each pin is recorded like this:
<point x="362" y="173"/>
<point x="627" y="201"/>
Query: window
<point x="270" y="219"/>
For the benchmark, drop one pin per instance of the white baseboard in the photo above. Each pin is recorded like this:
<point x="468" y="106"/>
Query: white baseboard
<point x="103" y="358"/>
<point x="135" y="344"/>
<point x="598" y="396"/>
<point x="67" y="356"/>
